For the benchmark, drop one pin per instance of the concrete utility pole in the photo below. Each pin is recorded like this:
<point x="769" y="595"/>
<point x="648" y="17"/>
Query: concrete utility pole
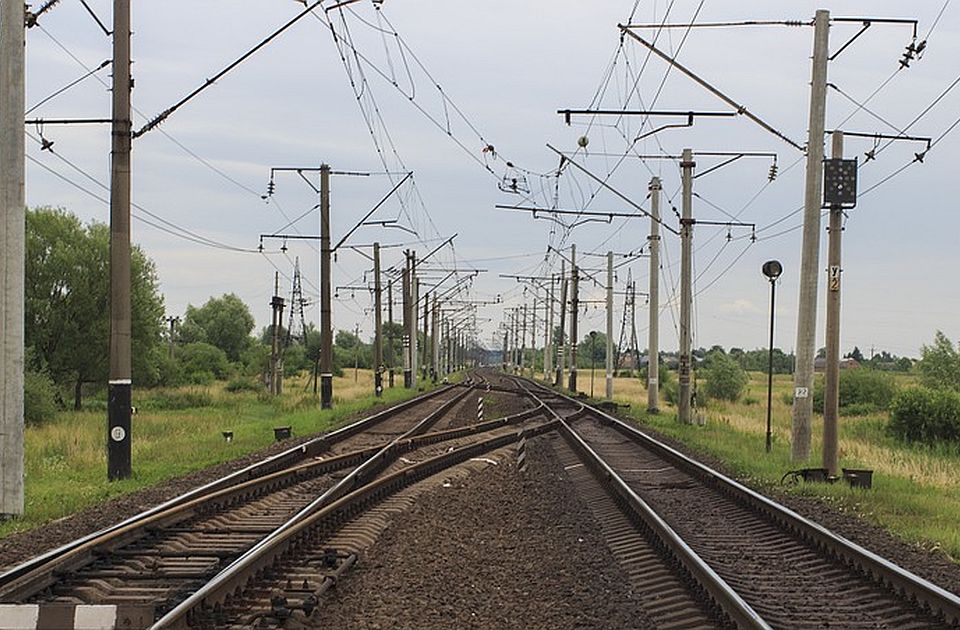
<point x="574" y="315"/>
<point x="448" y="367"/>
<point x="810" y="253"/>
<point x="533" y="336"/>
<point x="276" y="303"/>
<point x="120" y="384"/>
<point x="517" y="359"/>
<point x="548" y="338"/>
<point x="435" y="340"/>
<point x="326" y="312"/>
<point x="173" y="320"/>
<point x="505" y="351"/>
<point x="425" y="359"/>
<point x="686" y="288"/>
<point x="377" y="324"/>
<point x="414" y="299"/>
<point x="407" y="377"/>
<point x="356" y="354"/>
<point x="523" y="337"/>
<point x="12" y="239"/>
<point x="561" y="350"/>
<point x="390" y="336"/>
<point x="831" y="385"/>
<point x="653" y="332"/>
<point x="609" y="391"/>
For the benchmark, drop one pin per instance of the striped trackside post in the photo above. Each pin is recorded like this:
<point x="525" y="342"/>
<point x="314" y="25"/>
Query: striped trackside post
<point x="521" y="452"/>
<point x="480" y="409"/>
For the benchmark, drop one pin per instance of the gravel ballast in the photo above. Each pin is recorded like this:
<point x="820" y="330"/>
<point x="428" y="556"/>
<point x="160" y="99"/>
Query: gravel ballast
<point x="499" y="549"/>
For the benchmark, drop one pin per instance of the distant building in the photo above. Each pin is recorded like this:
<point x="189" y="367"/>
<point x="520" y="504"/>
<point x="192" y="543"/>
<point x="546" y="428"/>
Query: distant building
<point x="820" y="364"/>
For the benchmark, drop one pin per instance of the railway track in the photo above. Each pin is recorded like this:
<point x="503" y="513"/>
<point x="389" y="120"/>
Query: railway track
<point x="146" y="565"/>
<point x="744" y="559"/>
<point x="701" y="550"/>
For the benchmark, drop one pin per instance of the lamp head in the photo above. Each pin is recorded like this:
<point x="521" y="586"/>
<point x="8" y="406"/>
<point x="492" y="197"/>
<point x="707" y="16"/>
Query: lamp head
<point x="772" y="269"/>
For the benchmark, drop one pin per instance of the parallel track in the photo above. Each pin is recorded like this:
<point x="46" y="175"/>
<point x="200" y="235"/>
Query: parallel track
<point x="156" y="560"/>
<point x="788" y="571"/>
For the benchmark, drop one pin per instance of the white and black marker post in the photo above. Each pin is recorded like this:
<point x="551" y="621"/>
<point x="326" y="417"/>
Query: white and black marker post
<point x="521" y="452"/>
<point x="118" y="393"/>
<point x="480" y="409"/>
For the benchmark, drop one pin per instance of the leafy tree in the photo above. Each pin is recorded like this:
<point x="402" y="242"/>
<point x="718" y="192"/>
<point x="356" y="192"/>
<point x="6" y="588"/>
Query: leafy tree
<point x="939" y="364"/>
<point x="266" y="335"/>
<point x="224" y="322"/>
<point x="201" y="362"/>
<point x="346" y="340"/>
<point x="725" y="378"/>
<point x="592" y="350"/>
<point x="856" y="355"/>
<point x="67" y="320"/>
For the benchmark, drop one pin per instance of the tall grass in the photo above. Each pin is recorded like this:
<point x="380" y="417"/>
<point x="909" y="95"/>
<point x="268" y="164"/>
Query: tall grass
<point x="65" y="458"/>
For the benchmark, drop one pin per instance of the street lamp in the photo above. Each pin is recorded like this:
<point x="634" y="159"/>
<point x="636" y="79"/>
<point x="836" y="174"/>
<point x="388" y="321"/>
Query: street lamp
<point x="593" y="358"/>
<point x="772" y="270"/>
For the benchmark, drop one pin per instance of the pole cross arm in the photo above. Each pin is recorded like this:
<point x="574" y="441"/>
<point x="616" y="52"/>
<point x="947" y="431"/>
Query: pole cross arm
<point x="740" y="109"/>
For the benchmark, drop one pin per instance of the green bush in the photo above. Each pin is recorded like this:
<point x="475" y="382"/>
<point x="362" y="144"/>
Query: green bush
<point x="243" y="384"/>
<point x="39" y="398"/>
<point x="926" y="415"/>
<point x="201" y="362"/>
<point x="862" y="391"/>
<point x="725" y="379"/>
<point x="176" y="399"/>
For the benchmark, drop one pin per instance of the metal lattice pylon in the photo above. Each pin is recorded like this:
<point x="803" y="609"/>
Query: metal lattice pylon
<point x="297" y="326"/>
<point x="629" y="318"/>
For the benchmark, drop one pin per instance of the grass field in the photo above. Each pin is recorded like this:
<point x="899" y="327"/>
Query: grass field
<point x="916" y="489"/>
<point x="174" y="432"/>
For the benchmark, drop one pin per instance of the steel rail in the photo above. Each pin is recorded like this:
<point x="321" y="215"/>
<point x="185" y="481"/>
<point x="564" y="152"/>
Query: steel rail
<point x="353" y="481"/>
<point x="35" y="581"/>
<point x="340" y="509"/>
<point x="266" y="466"/>
<point x="715" y="587"/>
<point x="881" y="570"/>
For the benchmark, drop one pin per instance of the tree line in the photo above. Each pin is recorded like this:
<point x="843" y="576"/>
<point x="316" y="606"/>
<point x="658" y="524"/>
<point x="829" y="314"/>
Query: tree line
<point x="67" y="325"/>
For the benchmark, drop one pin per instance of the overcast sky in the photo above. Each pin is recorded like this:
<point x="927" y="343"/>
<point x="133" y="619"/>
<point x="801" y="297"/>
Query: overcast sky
<point x="505" y="67"/>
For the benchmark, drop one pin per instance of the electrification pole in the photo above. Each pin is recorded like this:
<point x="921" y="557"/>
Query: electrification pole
<point x="326" y="312"/>
<point x="548" y="337"/>
<point x="561" y="343"/>
<point x="12" y="258"/>
<point x="810" y="253"/>
<point x="120" y="384"/>
<point x="434" y="340"/>
<point x="831" y="384"/>
<point x="173" y="321"/>
<point x="377" y="324"/>
<point x="686" y="288"/>
<point x="609" y="357"/>
<point x="407" y="379"/>
<point x="574" y="314"/>
<point x="523" y="337"/>
<point x="653" y="332"/>
<point x="276" y="303"/>
<point x="393" y="356"/>
<point x="414" y="299"/>
<point x="425" y="358"/>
